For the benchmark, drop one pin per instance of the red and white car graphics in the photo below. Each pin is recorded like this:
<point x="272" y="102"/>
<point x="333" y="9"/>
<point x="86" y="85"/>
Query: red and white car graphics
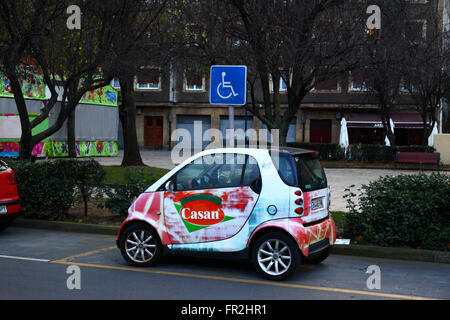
<point x="228" y="205"/>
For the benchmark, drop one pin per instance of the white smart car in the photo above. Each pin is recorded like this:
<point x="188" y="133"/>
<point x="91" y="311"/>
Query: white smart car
<point x="271" y="206"/>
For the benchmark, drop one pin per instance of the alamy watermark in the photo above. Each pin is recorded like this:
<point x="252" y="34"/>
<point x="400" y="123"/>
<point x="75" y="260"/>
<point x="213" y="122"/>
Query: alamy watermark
<point x="74" y="280"/>
<point x="190" y="142"/>
<point x="374" y="21"/>
<point x="374" y="280"/>
<point x="74" y="20"/>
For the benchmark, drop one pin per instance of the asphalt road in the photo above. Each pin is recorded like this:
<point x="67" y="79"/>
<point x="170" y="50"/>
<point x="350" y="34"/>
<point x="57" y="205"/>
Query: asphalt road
<point x="34" y="263"/>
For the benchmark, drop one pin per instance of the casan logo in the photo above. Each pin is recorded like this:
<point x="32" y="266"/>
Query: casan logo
<point x="201" y="211"/>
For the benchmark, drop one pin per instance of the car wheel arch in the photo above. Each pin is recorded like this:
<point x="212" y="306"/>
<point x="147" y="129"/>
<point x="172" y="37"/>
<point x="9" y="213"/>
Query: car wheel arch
<point x="265" y="230"/>
<point x="133" y="222"/>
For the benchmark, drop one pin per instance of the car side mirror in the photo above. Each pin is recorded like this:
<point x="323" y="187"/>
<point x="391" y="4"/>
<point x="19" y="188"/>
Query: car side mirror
<point x="170" y="186"/>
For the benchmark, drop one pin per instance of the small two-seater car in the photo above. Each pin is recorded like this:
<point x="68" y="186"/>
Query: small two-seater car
<point x="9" y="197"/>
<point x="271" y="206"/>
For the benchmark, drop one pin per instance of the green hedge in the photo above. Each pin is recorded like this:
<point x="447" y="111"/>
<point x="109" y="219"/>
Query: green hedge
<point x="49" y="188"/>
<point x="359" y="152"/>
<point x="405" y="210"/>
<point x="120" y="196"/>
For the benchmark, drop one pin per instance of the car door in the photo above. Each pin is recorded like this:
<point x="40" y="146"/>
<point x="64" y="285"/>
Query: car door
<point x="211" y="200"/>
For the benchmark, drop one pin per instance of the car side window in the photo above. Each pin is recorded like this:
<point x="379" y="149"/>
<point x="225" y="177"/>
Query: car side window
<point x="210" y="172"/>
<point x="251" y="172"/>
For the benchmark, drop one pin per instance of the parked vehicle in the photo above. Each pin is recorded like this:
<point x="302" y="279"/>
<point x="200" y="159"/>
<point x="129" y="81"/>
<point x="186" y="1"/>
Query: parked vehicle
<point x="270" y="207"/>
<point x="9" y="197"/>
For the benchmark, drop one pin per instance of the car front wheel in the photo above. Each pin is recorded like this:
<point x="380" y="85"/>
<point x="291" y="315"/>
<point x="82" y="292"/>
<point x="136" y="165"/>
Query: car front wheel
<point x="140" y="245"/>
<point x="275" y="256"/>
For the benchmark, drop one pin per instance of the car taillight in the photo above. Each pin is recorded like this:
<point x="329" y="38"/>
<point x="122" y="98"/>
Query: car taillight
<point x="11" y="178"/>
<point x="299" y="202"/>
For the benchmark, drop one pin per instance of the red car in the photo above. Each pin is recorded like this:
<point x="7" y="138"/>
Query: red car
<point x="9" y="197"/>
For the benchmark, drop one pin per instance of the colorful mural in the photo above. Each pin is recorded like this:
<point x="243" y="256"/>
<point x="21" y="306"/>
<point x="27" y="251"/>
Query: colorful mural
<point x="32" y="82"/>
<point x="57" y="149"/>
<point x="106" y="96"/>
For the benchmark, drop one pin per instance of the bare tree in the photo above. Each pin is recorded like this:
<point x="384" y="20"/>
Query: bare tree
<point x="36" y="36"/>
<point x="426" y="68"/>
<point x="301" y="42"/>
<point x="141" y="40"/>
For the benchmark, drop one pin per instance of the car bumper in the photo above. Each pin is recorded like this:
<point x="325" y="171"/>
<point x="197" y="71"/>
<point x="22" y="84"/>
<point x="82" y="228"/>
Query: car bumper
<point x="317" y="237"/>
<point x="13" y="207"/>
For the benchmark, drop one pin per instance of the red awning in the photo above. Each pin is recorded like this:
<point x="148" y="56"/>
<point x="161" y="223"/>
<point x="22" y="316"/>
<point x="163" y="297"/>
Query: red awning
<point x="407" y="121"/>
<point x="363" y="120"/>
<point x="373" y="121"/>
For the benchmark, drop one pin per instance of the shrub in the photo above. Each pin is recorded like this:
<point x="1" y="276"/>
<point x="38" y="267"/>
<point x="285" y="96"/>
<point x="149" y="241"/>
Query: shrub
<point x="359" y="152"/>
<point x="121" y="196"/>
<point x="406" y="210"/>
<point x="45" y="188"/>
<point x="88" y="177"/>
<point x="49" y="188"/>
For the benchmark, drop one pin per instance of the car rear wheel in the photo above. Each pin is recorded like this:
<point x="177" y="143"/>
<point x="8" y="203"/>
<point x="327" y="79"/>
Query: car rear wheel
<point x="140" y="245"/>
<point x="275" y="256"/>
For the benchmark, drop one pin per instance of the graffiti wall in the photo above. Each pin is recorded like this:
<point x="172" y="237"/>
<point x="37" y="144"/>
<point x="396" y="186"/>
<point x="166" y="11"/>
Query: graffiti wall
<point x="54" y="149"/>
<point x="106" y="96"/>
<point x="33" y="85"/>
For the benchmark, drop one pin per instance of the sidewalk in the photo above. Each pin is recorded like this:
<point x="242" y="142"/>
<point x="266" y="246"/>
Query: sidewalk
<point x="338" y="179"/>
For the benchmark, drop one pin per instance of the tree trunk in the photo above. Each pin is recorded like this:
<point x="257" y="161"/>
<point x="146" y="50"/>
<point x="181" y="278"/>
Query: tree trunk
<point x="127" y="115"/>
<point x="71" y="135"/>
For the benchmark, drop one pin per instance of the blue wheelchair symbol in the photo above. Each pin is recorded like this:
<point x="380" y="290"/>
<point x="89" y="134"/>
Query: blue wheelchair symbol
<point x="228" y="85"/>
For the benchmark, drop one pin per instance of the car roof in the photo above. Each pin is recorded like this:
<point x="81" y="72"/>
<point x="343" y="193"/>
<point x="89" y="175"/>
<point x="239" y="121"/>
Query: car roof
<point x="290" y="150"/>
<point x="294" y="151"/>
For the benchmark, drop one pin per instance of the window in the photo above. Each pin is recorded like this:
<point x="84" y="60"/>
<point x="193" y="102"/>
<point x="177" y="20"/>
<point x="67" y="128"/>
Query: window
<point x="210" y="172"/>
<point x="327" y="85"/>
<point x="149" y="79"/>
<point x="251" y="172"/>
<point x="285" y="165"/>
<point x="361" y="80"/>
<point x="194" y="81"/>
<point x="282" y="85"/>
<point x="115" y="83"/>
<point x="310" y="173"/>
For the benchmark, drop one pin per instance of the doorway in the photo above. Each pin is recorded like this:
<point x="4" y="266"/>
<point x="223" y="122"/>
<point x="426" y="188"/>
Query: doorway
<point x="320" y="131"/>
<point x="153" y="132"/>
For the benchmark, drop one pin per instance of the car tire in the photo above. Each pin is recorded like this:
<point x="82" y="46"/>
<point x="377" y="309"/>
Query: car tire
<point x="5" y="223"/>
<point x="275" y="256"/>
<point x="316" y="259"/>
<point x="140" y="245"/>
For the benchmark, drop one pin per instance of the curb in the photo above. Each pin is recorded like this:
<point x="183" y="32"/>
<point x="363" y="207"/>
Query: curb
<point x="348" y="250"/>
<point x="393" y="253"/>
<point x="65" y="226"/>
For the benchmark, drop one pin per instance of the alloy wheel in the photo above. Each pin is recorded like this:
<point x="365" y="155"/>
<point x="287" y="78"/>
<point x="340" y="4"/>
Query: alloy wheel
<point x="140" y="246"/>
<point x="274" y="257"/>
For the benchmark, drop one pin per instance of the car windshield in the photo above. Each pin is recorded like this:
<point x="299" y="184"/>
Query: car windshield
<point x="311" y="175"/>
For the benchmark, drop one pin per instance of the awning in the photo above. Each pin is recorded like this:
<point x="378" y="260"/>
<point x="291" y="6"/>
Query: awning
<point x="408" y="121"/>
<point x="373" y="121"/>
<point x="363" y="120"/>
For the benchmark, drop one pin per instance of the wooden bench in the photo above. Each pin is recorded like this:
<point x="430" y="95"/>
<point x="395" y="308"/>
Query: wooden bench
<point x="419" y="158"/>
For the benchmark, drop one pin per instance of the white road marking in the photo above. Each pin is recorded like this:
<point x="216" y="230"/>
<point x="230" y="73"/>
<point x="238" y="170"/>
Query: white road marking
<point x="24" y="258"/>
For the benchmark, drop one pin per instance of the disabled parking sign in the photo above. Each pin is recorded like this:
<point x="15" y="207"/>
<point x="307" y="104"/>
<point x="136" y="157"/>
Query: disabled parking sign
<point x="228" y="85"/>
